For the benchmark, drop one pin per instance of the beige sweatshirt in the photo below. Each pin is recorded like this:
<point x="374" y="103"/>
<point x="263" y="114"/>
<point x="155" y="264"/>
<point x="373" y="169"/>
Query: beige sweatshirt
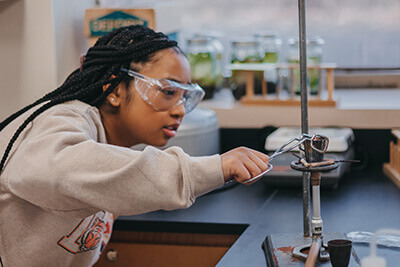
<point x="62" y="183"/>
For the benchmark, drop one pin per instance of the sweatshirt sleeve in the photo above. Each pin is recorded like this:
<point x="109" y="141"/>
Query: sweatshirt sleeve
<point x="60" y="166"/>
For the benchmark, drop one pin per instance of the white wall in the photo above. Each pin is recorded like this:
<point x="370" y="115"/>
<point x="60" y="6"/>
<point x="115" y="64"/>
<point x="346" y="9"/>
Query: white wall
<point x="357" y="32"/>
<point x="71" y="43"/>
<point x="11" y="13"/>
<point x="38" y="65"/>
<point x="41" y="42"/>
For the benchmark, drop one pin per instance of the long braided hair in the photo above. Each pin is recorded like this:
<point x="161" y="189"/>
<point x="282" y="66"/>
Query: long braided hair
<point x="116" y="50"/>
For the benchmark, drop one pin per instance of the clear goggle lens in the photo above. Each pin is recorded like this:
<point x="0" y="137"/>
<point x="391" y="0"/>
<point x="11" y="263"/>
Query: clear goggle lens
<point x="165" y="94"/>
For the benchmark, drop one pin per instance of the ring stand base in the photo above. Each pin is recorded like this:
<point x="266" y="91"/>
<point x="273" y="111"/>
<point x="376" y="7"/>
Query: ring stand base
<point x="278" y="249"/>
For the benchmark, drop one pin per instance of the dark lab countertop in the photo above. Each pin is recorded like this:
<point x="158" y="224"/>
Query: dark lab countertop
<point x="227" y="211"/>
<point x="364" y="201"/>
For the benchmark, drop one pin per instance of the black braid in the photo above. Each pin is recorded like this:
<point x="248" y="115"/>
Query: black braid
<point x="111" y="52"/>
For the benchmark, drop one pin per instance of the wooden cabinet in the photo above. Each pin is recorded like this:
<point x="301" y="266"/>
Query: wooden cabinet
<point x="165" y="249"/>
<point x="392" y="168"/>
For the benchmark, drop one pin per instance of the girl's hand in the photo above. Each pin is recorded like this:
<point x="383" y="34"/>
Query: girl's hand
<point x="243" y="163"/>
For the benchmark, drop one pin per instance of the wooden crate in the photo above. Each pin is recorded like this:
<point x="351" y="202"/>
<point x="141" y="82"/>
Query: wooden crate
<point x="392" y="168"/>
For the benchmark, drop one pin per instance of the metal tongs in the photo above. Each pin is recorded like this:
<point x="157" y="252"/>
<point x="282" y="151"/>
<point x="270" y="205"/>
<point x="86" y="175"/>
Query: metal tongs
<point x="292" y="144"/>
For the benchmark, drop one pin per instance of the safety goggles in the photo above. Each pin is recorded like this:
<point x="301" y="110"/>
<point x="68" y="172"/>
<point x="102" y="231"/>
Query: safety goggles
<point x="164" y="94"/>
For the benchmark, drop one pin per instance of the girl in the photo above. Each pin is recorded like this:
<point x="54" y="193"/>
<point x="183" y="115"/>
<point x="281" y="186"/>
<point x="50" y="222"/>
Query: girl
<point x="67" y="167"/>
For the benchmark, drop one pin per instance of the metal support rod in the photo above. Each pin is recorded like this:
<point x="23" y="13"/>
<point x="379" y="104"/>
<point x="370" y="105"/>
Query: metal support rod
<point x="304" y="114"/>
<point x="316" y="202"/>
<point x="316" y="222"/>
<point x="306" y="204"/>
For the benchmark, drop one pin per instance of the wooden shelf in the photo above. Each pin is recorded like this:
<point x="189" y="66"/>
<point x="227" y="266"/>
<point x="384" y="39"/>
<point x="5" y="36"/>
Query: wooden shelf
<point x="271" y="101"/>
<point x="250" y="98"/>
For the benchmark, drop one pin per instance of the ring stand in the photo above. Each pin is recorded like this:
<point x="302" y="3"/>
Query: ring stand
<point x="284" y="250"/>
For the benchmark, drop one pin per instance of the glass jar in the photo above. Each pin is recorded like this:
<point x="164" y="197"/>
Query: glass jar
<point x="202" y="56"/>
<point x="293" y="51"/>
<point x="314" y="57"/>
<point x="214" y="41"/>
<point x="270" y="46"/>
<point x="314" y="50"/>
<point x="219" y="64"/>
<point x="245" y="52"/>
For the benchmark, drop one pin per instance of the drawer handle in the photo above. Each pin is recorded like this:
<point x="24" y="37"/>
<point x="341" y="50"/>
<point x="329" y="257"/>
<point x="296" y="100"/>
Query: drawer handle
<point x="112" y="255"/>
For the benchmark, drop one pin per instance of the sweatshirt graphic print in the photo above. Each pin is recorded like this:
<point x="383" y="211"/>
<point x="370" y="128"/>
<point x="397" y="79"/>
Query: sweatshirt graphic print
<point x="92" y="232"/>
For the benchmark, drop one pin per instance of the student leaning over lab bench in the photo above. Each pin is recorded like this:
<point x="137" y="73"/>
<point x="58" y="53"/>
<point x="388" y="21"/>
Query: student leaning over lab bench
<point x="68" y="170"/>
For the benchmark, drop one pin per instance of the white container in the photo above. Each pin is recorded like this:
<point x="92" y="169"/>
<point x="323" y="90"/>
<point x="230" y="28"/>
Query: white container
<point x="339" y="138"/>
<point x="198" y="134"/>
